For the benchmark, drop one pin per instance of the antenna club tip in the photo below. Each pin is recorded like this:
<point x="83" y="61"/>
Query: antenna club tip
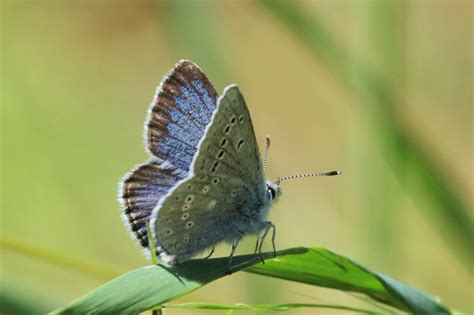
<point x="267" y="138"/>
<point x="334" y="173"/>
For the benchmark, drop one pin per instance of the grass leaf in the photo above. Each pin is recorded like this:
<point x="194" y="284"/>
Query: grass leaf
<point x="265" y="307"/>
<point x="321" y="267"/>
<point x="152" y="286"/>
<point x="147" y="287"/>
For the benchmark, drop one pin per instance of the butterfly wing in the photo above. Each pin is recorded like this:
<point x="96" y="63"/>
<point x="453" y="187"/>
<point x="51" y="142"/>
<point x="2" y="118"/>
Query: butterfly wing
<point x="140" y="191"/>
<point x="220" y="200"/>
<point x="229" y="146"/>
<point x="197" y="215"/>
<point x="177" y="118"/>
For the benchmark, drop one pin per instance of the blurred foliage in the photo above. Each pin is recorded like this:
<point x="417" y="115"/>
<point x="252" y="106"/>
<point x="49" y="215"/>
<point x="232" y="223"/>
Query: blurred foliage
<point x="398" y="144"/>
<point x="76" y="78"/>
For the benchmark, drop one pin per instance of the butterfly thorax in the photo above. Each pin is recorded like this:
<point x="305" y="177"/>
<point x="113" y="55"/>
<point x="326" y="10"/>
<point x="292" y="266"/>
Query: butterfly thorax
<point x="254" y="210"/>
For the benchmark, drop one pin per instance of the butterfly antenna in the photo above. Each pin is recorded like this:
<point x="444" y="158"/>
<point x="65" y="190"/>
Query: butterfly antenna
<point x="267" y="147"/>
<point x="331" y="173"/>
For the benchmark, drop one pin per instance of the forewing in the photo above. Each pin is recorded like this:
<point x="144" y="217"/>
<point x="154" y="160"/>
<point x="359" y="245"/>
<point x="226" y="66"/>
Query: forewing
<point x="177" y="118"/>
<point x="229" y="145"/>
<point x="140" y="191"/>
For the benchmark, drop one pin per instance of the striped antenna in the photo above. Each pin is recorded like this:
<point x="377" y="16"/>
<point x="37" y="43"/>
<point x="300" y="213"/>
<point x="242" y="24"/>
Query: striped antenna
<point x="331" y="173"/>
<point x="267" y="147"/>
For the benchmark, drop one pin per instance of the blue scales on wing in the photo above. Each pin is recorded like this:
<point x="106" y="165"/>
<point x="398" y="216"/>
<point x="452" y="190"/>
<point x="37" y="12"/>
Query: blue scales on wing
<point x="177" y="118"/>
<point x="140" y="191"/>
<point x="179" y="114"/>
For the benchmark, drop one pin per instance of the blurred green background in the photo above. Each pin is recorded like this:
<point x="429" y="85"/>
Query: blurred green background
<point x="381" y="90"/>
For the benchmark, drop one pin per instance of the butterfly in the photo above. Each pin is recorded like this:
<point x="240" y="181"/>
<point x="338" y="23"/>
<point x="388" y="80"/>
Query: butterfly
<point x="204" y="181"/>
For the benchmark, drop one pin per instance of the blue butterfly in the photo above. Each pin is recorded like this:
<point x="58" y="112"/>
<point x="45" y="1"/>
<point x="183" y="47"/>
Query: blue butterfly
<point x="204" y="181"/>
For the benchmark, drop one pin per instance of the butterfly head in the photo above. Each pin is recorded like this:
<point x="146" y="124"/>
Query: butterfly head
<point x="273" y="190"/>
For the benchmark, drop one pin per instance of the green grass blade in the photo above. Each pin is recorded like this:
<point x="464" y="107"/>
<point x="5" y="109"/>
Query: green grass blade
<point x="152" y="286"/>
<point x="399" y="144"/>
<point x="321" y="267"/>
<point x="265" y="307"/>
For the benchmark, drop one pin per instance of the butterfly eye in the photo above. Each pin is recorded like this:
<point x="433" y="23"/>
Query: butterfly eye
<point x="271" y="192"/>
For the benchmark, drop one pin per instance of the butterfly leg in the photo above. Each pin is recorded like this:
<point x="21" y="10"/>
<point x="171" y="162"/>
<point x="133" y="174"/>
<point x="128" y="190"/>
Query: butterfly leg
<point x="257" y="234"/>
<point x="234" y="247"/>
<point x="273" y="238"/>
<point x="210" y="254"/>
<point x="267" y="226"/>
<point x="265" y="232"/>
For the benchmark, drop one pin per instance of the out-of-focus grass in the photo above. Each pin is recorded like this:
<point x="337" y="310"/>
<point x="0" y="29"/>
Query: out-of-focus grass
<point x="16" y="301"/>
<point x="400" y="146"/>
<point x="384" y="22"/>
<point x="185" y="23"/>
<point x="103" y="272"/>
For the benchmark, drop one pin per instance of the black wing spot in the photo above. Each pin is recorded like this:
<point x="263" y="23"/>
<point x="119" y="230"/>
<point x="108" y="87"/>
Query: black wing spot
<point x="223" y="142"/>
<point x="214" y="166"/>
<point x="239" y="144"/>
